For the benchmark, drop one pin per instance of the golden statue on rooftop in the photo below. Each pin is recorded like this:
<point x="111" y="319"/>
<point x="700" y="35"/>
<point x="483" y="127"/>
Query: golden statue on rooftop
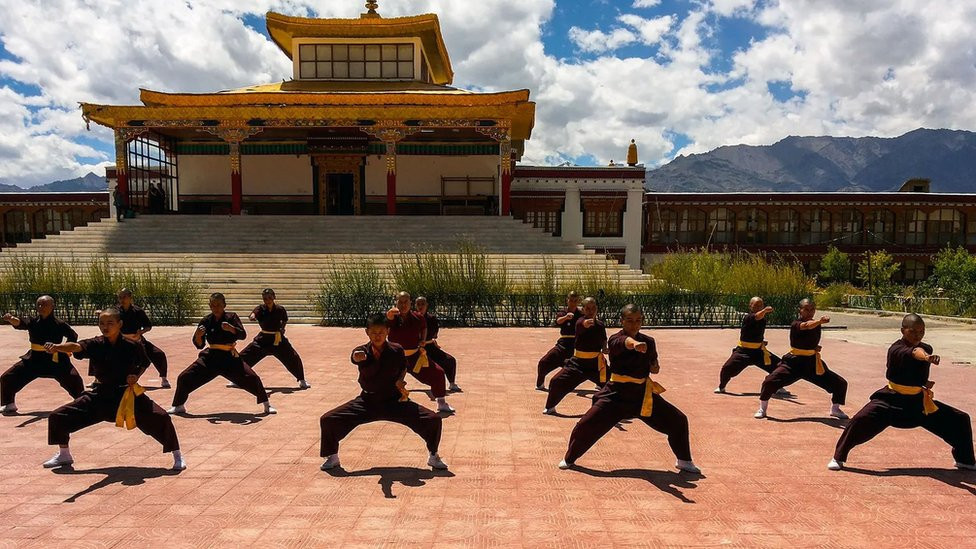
<point x="371" y="6"/>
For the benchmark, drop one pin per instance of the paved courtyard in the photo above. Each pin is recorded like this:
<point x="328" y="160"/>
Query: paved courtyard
<point x="254" y="479"/>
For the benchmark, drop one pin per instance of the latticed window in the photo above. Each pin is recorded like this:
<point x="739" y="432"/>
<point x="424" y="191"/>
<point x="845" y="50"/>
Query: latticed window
<point x="356" y="61"/>
<point x="721" y="225"/>
<point x="784" y="227"/>
<point x="547" y="221"/>
<point x="664" y="227"/>
<point x="848" y="226"/>
<point x="881" y="227"/>
<point x="814" y="227"/>
<point x="602" y="223"/>
<point x="945" y="227"/>
<point x="751" y="226"/>
<point x="913" y="228"/>
<point x="914" y="270"/>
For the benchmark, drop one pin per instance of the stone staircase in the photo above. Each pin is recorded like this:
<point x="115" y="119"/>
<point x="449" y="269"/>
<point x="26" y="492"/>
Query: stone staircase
<point x="240" y="255"/>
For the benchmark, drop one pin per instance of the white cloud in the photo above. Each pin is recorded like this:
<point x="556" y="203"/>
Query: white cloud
<point x="597" y="41"/>
<point x="879" y="67"/>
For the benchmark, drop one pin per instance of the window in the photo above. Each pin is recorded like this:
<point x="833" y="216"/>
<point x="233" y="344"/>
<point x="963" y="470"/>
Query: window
<point x="356" y="61"/>
<point x="751" y="226"/>
<point x="913" y="228"/>
<point x="16" y="227"/>
<point x="602" y="223"/>
<point x="721" y="226"/>
<point x="784" y="227"/>
<point x="945" y="228"/>
<point x="692" y="226"/>
<point x="881" y="227"/>
<point x="848" y="227"/>
<point x="547" y="221"/>
<point x="814" y="227"/>
<point x="914" y="270"/>
<point x="664" y="226"/>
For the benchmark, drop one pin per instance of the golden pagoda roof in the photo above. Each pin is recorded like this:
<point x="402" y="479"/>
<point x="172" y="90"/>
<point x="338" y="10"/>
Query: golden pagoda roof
<point x="325" y="93"/>
<point x="284" y="29"/>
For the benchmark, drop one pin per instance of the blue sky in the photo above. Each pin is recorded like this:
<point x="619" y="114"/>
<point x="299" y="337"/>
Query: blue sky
<point x="679" y="76"/>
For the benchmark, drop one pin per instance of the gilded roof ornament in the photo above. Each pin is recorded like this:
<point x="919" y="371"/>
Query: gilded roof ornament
<point x="632" y="153"/>
<point x="371" y="7"/>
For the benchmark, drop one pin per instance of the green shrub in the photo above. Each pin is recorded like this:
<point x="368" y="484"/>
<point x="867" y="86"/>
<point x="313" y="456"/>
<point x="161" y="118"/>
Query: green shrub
<point x="835" y="267"/>
<point x="81" y="288"/>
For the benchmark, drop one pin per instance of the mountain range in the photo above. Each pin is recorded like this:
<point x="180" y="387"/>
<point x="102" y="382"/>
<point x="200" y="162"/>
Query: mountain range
<point x="827" y="164"/>
<point x="88" y="183"/>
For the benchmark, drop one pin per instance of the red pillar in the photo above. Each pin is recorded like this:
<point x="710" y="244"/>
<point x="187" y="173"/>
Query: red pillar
<point x="122" y="184"/>
<point x="390" y="193"/>
<point x="391" y="178"/>
<point x="506" y="192"/>
<point x="236" y="193"/>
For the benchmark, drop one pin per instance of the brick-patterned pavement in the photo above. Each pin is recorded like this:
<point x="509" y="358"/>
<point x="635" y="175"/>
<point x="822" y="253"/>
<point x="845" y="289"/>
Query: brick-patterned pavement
<point x="255" y="479"/>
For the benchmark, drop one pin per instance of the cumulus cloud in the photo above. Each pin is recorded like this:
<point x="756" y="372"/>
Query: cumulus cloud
<point x="878" y="67"/>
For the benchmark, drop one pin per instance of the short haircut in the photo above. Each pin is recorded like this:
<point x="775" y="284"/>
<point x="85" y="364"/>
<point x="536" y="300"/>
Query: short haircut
<point x="911" y="320"/>
<point x="46" y="298"/>
<point x="401" y="295"/>
<point x="806" y="301"/>
<point x="629" y="308"/>
<point x="113" y="312"/>
<point x="126" y="292"/>
<point x="218" y="297"/>
<point x="420" y="299"/>
<point x="588" y="300"/>
<point x="267" y="291"/>
<point x="376" y="319"/>
<point x="572" y="295"/>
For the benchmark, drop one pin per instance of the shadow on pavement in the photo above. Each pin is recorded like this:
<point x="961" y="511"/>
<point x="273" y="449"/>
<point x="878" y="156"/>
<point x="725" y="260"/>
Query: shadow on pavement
<point x="829" y="422"/>
<point x="668" y="482"/>
<point x="234" y="418"/>
<point x="406" y="476"/>
<point x="37" y="416"/>
<point x="126" y="476"/>
<point x="964" y="480"/>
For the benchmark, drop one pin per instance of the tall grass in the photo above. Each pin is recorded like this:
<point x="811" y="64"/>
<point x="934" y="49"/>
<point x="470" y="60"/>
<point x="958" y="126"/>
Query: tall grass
<point x="348" y="294"/>
<point x="732" y="273"/>
<point x="82" y="286"/>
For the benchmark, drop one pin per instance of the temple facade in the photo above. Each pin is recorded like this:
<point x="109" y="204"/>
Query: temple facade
<point x="368" y="124"/>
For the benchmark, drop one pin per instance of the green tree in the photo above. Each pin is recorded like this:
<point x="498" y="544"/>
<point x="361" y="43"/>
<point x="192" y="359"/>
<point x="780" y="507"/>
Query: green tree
<point x="876" y="272"/>
<point x="835" y="267"/>
<point x="954" y="270"/>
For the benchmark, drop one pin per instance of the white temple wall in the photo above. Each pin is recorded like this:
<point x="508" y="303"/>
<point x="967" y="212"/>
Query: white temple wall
<point x="420" y="175"/>
<point x="276" y="174"/>
<point x="204" y="174"/>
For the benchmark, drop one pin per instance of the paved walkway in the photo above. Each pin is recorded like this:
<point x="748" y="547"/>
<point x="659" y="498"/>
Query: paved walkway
<point x="255" y="480"/>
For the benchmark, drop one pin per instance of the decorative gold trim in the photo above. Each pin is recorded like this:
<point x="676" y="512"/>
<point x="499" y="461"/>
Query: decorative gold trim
<point x="519" y="117"/>
<point x="122" y="138"/>
<point x="152" y="98"/>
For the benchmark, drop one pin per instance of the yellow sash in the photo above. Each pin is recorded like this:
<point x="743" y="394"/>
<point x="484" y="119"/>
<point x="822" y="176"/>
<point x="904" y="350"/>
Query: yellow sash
<point x="277" y="335"/>
<point x="767" y="359"/>
<point x="422" y="362"/>
<point x="567" y="337"/>
<point x="41" y="349"/>
<point x="928" y="401"/>
<point x="231" y="348"/>
<point x="810" y="352"/>
<point x="652" y="388"/>
<point x="601" y="361"/>
<point x="126" y="416"/>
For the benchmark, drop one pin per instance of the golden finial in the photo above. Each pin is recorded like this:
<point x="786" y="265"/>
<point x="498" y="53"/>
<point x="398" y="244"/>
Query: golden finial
<point x="371" y="5"/>
<point x="632" y="153"/>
